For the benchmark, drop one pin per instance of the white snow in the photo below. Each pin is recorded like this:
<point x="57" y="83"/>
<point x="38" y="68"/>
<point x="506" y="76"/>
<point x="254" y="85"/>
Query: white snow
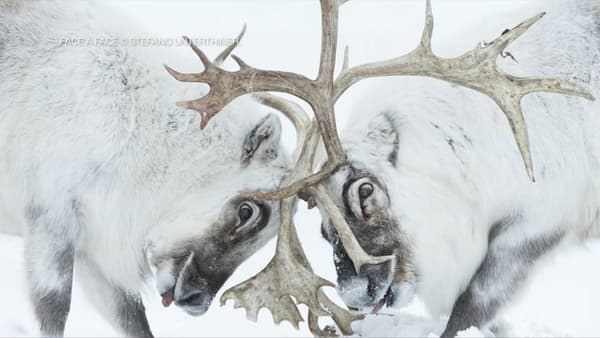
<point x="561" y="299"/>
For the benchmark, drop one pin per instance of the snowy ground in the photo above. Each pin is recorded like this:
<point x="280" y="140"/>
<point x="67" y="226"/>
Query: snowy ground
<point x="561" y="300"/>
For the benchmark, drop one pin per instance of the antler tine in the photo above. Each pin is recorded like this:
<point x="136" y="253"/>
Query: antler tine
<point x="476" y="69"/>
<point x="225" y="53"/>
<point x="329" y="31"/>
<point x="428" y="29"/>
<point x="532" y="85"/>
<point x="180" y="76"/>
<point x="501" y="42"/>
<point x="203" y="58"/>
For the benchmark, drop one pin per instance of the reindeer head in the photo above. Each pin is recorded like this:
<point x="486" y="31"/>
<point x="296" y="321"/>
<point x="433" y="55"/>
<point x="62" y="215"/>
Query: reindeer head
<point x="366" y="187"/>
<point x="363" y="190"/>
<point x="356" y="194"/>
<point x="210" y="230"/>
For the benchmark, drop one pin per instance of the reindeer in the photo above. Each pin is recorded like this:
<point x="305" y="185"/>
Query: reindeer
<point x="100" y="169"/>
<point x="427" y="196"/>
<point x="434" y="180"/>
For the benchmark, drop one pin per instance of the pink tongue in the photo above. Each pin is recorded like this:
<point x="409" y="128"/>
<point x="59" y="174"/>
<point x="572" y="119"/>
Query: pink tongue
<point x="379" y="306"/>
<point x="167" y="299"/>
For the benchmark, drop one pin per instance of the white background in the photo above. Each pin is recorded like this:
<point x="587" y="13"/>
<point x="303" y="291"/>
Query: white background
<point x="561" y="299"/>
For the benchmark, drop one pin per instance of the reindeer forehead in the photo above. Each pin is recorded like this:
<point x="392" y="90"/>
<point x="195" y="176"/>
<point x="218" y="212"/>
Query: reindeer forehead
<point x="337" y="182"/>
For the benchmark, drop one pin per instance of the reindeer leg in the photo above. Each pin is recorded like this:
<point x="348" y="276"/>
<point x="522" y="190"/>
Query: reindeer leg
<point x="49" y="259"/>
<point x="123" y="309"/>
<point x="510" y="256"/>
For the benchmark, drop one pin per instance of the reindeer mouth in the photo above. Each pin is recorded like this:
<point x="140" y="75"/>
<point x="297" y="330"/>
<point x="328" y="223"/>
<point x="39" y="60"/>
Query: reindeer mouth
<point x="167" y="298"/>
<point x="387" y="299"/>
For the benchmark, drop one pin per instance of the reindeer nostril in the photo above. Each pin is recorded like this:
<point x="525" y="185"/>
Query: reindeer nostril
<point x="378" y="276"/>
<point x="370" y="270"/>
<point x="194" y="298"/>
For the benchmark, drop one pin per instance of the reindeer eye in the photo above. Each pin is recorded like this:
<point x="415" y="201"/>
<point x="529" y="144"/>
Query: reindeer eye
<point x="252" y="218"/>
<point x="365" y="190"/>
<point x="245" y="212"/>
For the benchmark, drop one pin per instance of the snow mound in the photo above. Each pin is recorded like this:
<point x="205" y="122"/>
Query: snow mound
<point x="412" y="321"/>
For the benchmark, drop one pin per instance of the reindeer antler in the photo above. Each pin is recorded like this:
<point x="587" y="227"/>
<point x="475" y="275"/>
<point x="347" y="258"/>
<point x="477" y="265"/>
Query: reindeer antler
<point x="289" y="274"/>
<point x="226" y="86"/>
<point x="476" y="69"/>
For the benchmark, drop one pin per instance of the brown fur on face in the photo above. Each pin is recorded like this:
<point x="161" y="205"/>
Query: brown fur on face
<point x="378" y="232"/>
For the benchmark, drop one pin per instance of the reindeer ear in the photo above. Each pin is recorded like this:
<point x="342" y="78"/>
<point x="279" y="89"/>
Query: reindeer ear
<point x="384" y="136"/>
<point x="262" y="143"/>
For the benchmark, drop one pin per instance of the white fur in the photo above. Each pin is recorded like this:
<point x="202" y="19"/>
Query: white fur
<point x="98" y="125"/>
